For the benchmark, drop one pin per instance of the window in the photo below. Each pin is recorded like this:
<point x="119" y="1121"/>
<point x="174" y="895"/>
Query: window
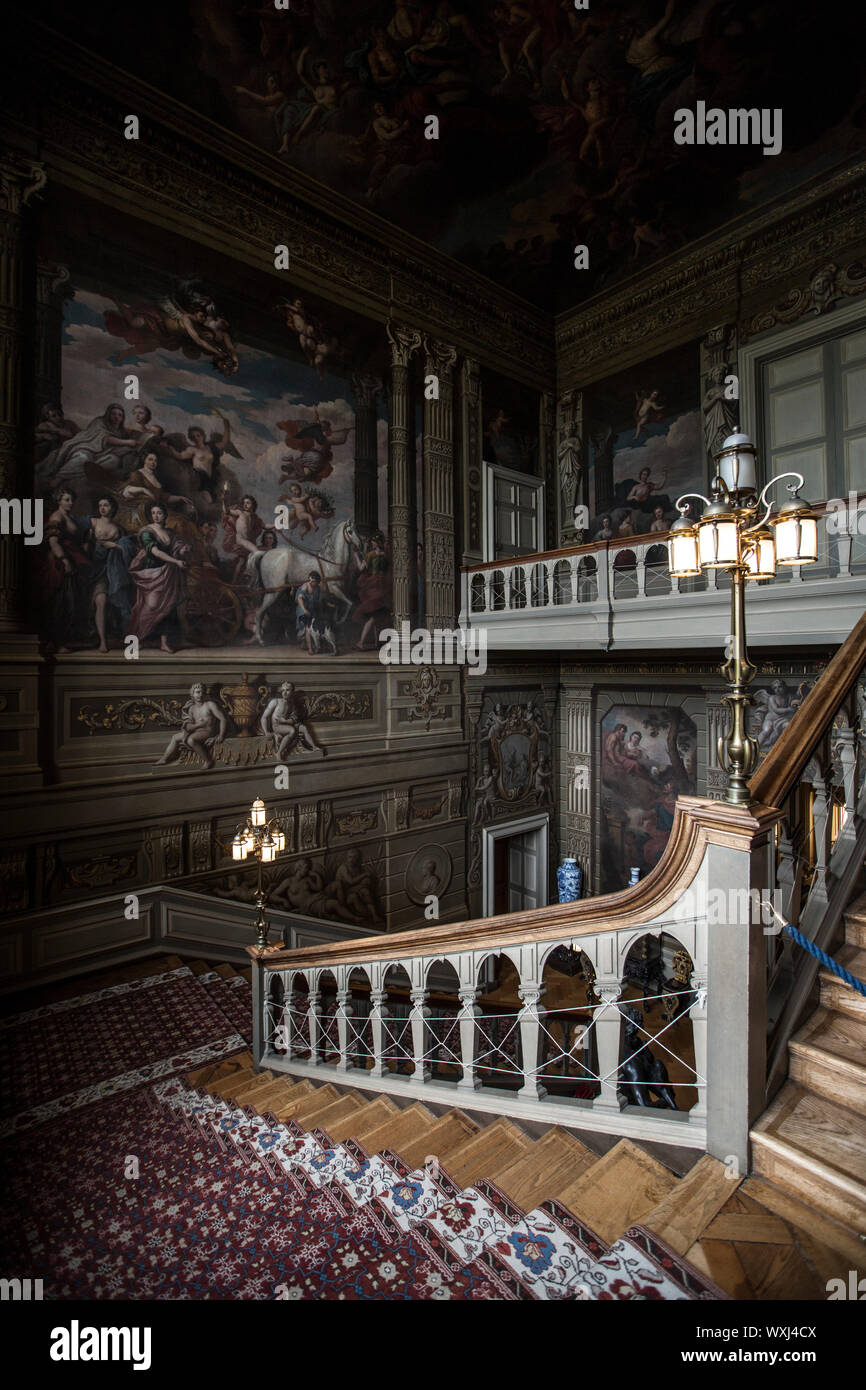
<point x="514" y="512"/>
<point x="811" y="408"/>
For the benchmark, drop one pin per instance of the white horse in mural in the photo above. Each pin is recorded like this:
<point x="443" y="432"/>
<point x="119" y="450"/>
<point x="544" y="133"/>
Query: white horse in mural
<point x="285" y="568"/>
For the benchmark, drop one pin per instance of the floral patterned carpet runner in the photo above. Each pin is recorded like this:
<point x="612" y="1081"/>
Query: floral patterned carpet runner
<point x="134" y="1186"/>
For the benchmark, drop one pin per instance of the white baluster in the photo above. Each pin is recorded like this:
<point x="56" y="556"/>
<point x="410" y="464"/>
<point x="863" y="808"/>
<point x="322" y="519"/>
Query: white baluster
<point x="640" y="566"/>
<point x="488" y="591"/>
<point x="507" y="580"/>
<point x="344" y="1013"/>
<point x="574" y="590"/>
<point x="314" y="1025"/>
<point x="418" y="1017"/>
<point x="846" y="751"/>
<point x="379" y="1016"/>
<point x="469" y="1012"/>
<point x="531" y="1037"/>
<point x="607" y="1031"/>
<point x="548" y="569"/>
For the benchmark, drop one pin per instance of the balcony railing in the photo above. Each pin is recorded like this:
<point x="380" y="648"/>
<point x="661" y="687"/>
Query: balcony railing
<point x="378" y="1012"/>
<point x="618" y="594"/>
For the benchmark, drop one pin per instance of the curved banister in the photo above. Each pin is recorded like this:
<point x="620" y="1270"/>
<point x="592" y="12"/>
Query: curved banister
<point x="696" y="822"/>
<point x="786" y="761"/>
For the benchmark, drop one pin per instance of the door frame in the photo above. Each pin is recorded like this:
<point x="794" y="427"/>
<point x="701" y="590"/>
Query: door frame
<point x="540" y="823"/>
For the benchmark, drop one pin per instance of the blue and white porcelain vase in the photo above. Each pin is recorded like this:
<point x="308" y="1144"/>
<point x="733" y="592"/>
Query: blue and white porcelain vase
<point x="634" y="877"/>
<point x="569" y="877"/>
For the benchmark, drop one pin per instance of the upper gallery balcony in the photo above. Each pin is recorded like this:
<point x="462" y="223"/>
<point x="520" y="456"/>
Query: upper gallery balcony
<point x="617" y="595"/>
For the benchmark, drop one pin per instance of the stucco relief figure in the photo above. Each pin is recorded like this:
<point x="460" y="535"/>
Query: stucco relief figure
<point x="773" y="712"/>
<point x="485" y="796"/>
<point x="429" y="872"/>
<point x="283" y="718"/>
<point x="720" y="413"/>
<point x="303" y="889"/>
<point x="570" y="469"/>
<point x="204" y="724"/>
<point x="354" y="887"/>
<point x="542" y="783"/>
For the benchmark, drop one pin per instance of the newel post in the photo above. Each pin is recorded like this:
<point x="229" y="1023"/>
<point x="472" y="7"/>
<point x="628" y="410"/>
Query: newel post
<point x="736" y="1002"/>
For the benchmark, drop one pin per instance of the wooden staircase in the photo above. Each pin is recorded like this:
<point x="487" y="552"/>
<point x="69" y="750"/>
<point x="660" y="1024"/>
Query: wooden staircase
<point x="811" y="1142"/>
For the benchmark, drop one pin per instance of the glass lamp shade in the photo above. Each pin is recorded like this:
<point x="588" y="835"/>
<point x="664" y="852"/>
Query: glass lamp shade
<point x="279" y="841"/>
<point x="269" y="850"/>
<point x="257" y="812"/>
<point x="795" y="531"/>
<point x="238" y="848"/>
<point x="736" y="463"/>
<point x="249" y="840"/>
<point x="759" y="554"/>
<point x="718" y="538"/>
<point x="683" y="550"/>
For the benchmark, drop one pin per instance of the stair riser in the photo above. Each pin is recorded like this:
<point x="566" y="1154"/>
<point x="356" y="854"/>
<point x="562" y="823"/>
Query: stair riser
<point x="846" y="1204"/>
<point x="823" y="1075"/>
<point x="839" y="996"/>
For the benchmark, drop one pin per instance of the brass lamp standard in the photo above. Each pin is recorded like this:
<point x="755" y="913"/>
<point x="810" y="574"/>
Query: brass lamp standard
<point x="264" y="839"/>
<point x="730" y="535"/>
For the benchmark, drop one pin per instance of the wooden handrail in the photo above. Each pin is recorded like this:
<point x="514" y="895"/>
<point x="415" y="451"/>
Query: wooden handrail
<point x="696" y="823"/>
<point x="786" y="761"/>
<point x="590" y="548"/>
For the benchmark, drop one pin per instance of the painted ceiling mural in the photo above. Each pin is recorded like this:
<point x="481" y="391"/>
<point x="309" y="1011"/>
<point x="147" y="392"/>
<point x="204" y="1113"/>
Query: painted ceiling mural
<point x="556" y="122"/>
<point x="215" y="506"/>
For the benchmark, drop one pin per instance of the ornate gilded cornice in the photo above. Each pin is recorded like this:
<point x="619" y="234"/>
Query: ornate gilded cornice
<point x="728" y="276"/>
<point x="193" y="177"/>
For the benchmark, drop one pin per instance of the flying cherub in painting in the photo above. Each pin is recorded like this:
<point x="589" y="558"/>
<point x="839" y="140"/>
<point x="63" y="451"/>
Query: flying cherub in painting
<point x="186" y="322"/>
<point x="325" y="92"/>
<point x="312" y="441"/>
<point x="316" y="344"/>
<point x="306" y="508"/>
<point x="647" y="410"/>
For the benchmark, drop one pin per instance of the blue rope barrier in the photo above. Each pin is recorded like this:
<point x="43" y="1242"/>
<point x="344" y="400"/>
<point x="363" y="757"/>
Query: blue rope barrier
<point x="826" y="960"/>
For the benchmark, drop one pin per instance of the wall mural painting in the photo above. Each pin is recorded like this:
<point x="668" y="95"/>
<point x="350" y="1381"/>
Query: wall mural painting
<point x="555" y="123"/>
<point x="215" y="510"/>
<point x="646" y="445"/>
<point x="509" y="423"/>
<point x="648" y="756"/>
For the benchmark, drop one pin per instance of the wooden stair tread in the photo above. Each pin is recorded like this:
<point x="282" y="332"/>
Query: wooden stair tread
<point x="619" y="1190"/>
<point x="227" y="972"/>
<point x="276" y="1093"/>
<point x="681" y="1216"/>
<point x="547" y="1166"/>
<point x="199" y="1078"/>
<point x="836" y="1034"/>
<point x="499" y="1145"/>
<point x="284" y="1108"/>
<point x="399" y="1129"/>
<point x="333" y="1110"/>
<point x="817" y="1128"/>
<point x="198" y="967"/>
<point x="824" y="1239"/>
<point x="234" y="1081"/>
<point x="245" y="1095"/>
<point x="354" y="1126"/>
<point x="301" y="1107"/>
<point x="835" y="993"/>
<point x="447" y="1134"/>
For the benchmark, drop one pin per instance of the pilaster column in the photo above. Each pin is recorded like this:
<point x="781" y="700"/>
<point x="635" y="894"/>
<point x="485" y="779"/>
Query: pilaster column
<point x="531" y="1039"/>
<point x="401" y="476"/>
<point x="440" y="609"/>
<point x="698" y="1015"/>
<point x="607" y="1031"/>
<point x="344" y="1013"/>
<point x="471" y="462"/>
<point x="720" y="408"/>
<point x="577" y="799"/>
<point x="418" y="1019"/>
<point x="366" y="388"/>
<point x="547" y="457"/>
<point x="20" y="180"/>
<point x="469" y="1012"/>
<point x="52" y="290"/>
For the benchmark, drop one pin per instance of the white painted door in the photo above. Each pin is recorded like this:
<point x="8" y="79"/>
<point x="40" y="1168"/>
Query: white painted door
<point x="524" y="872"/>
